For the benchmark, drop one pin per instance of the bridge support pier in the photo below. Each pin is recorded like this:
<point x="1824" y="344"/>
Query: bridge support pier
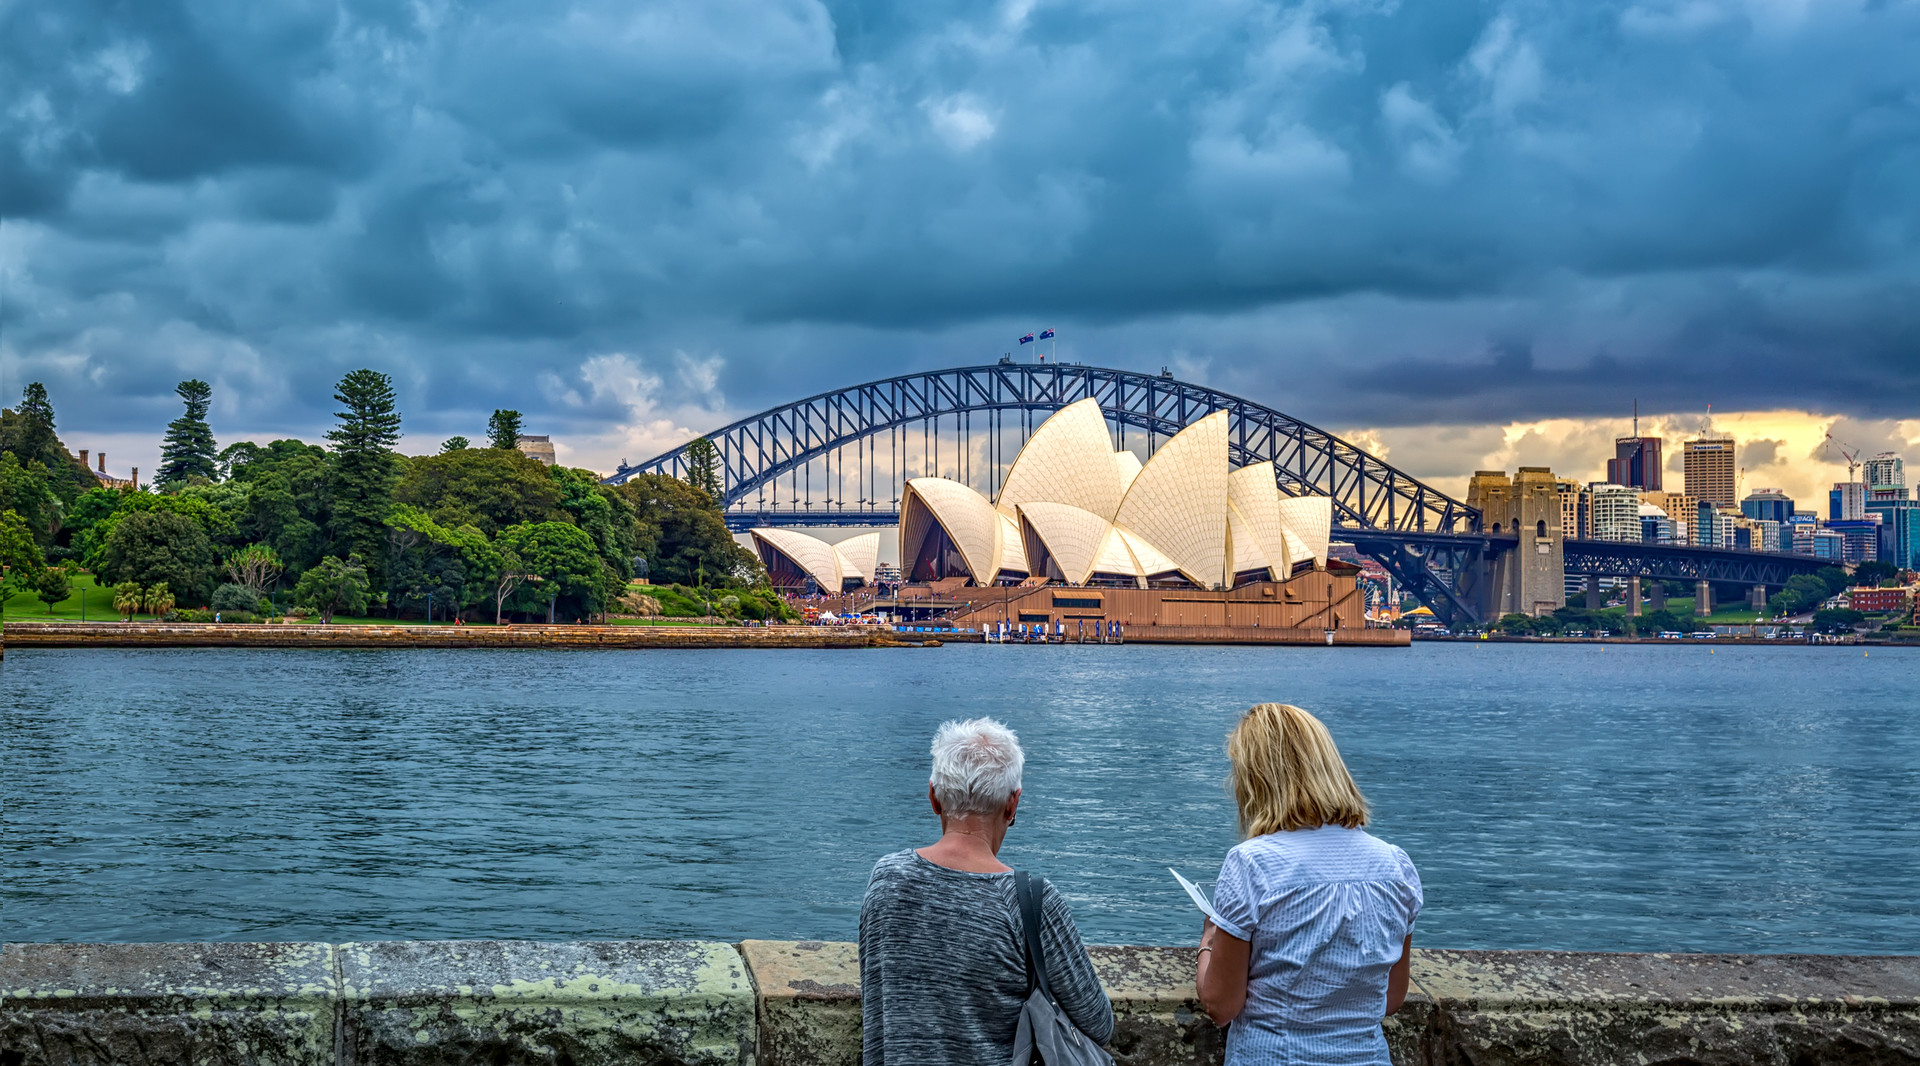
<point x="1633" y="597"/>
<point x="1595" y="598"/>
<point x="1758" y="598"/>
<point x="1702" y="598"/>
<point x="1658" y="595"/>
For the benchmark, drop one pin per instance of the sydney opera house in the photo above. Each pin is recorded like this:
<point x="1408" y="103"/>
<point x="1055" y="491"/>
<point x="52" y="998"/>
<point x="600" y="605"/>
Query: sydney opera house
<point x="1182" y="540"/>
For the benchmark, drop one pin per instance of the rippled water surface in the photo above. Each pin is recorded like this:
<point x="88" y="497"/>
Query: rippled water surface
<point x="1629" y="798"/>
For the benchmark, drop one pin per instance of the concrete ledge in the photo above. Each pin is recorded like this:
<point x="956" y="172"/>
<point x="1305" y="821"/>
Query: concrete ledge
<point x="595" y="1003"/>
<point x="208" y="635"/>
<point x="1479" y="1007"/>
<point x="486" y="1003"/>
<point x="98" y="1004"/>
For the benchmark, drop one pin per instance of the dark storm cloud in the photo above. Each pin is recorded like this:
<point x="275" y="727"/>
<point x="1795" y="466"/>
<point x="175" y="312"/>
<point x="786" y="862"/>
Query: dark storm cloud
<point x="1363" y="212"/>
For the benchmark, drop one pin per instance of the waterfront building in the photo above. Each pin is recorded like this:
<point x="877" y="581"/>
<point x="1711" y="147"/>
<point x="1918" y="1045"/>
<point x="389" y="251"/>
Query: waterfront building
<point x="1074" y="511"/>
<point x="1847" y="502"/>
<point x="793" y="559"/>
<point x="1772" y="535"/>
<point x="1576" y="506"/>
<point x="1885" y="470"/>
<point x="1708" y="465"/>
<point x="1635" y="463"/>
<point x="1899" y="531"/>
<point x="1880" y="601"/>
<point x="1860" y="536"/>
<point x="1768" y="504"/>
<point x="1655" y="526"/>
<point x="537" y="447"/>
<point x="1616" y="512"/>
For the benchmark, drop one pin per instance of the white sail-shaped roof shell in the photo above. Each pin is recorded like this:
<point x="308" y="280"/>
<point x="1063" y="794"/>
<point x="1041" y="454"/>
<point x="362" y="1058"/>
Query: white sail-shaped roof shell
<point x="859" y="556"/>
<point x="1128" y="465"/>
<point x="1178" y="503"/>
<point x="1243" y="550"/>
<point x="1069" y="460"/>
<point x="1257" y="501"/>
<point x="814" y="556"/>
<point x="1310" y="519"/>
<point x="1013" y="550"/>
<point x="969" y="520"/>
<point x="1073" y="537"/>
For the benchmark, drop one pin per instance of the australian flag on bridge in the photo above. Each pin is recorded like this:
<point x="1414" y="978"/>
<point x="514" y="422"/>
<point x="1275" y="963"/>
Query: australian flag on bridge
<point x="1045" y="333"/>
<point x="1028" y="339"/>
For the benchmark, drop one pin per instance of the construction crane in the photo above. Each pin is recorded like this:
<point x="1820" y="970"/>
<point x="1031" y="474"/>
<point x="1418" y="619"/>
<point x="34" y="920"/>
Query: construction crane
<point x="1851" y="455"/>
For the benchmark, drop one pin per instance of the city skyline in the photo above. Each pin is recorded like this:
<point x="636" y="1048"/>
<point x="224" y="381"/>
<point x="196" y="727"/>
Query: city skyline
<point x="1472" y="236"/>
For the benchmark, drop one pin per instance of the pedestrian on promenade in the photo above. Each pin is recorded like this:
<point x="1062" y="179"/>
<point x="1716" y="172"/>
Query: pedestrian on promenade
<point x="943" y="948"/>
<point x="1317" y="914"/>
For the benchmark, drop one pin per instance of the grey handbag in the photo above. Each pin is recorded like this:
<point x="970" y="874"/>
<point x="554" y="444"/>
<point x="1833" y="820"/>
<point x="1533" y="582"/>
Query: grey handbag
<point x="1045" y="1030"/>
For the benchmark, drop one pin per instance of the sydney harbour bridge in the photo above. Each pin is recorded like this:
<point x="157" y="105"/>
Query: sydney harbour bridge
<point x="842" y="458"/>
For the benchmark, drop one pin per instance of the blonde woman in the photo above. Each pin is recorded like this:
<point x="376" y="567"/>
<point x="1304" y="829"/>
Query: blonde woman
<point x="1318" y="914"/>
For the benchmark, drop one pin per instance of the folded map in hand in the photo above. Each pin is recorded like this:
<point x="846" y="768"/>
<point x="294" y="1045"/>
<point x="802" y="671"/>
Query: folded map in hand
<point x="1199" y="897"/>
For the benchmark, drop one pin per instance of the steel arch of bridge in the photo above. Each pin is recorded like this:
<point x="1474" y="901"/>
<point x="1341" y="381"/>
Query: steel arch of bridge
<point x="1366" y="492"/>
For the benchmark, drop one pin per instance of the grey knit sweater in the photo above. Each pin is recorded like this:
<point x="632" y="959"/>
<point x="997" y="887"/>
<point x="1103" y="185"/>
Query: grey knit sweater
<point x="942" y="966"/>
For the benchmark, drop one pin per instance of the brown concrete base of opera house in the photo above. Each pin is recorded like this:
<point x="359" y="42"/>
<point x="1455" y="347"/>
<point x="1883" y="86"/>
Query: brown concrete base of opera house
<point x="1316" y="607"/>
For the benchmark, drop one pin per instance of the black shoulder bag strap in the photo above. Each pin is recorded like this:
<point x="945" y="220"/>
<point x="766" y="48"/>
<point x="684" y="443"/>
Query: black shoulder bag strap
<point x="1029" y="899"/>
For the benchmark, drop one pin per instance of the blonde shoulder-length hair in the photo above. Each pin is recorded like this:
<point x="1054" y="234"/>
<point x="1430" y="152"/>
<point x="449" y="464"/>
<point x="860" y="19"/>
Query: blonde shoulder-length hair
<point x="1288" y="775"/>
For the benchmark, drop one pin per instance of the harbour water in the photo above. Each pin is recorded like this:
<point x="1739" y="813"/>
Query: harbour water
<point x="1590" y="797"/>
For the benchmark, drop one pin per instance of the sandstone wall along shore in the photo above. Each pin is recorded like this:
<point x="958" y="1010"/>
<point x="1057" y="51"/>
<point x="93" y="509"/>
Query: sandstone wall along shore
<point x="209" y="635"/>
<point x="706" y="1003"/>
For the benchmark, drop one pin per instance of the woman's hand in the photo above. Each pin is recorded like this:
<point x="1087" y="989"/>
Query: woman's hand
<point x="1222" y="979"/>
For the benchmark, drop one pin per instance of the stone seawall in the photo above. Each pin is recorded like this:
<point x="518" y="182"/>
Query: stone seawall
<point x="207" y="635"/>
<point x="705" y="1003"/>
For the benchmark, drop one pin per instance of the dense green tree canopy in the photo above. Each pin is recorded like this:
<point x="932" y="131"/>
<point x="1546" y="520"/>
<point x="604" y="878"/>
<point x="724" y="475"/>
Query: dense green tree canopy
<point x="486" y="488"/>
<point x="334" y="586"/>
<point x="189" y="451"/>
<point x="153" y="546"/>
<point x="684" y="536"/>
<point x="703" y="467"/>
<point x="560" y="562"/>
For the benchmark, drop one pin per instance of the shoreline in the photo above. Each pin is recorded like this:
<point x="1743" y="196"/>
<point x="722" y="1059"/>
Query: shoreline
<point x="359" y="635"/>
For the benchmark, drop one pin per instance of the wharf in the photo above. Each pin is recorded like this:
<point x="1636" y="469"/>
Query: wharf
<point x="578" y="637"/>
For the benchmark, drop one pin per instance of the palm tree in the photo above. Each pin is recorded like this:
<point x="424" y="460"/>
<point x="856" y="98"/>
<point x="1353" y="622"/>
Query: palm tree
<point x="159" y="600"/>
<point x="126" y="599"/>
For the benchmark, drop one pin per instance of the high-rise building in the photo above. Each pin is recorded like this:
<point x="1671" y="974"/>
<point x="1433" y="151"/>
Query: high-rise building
<point x="1798" y="536"/>
<point x="1899" y="531"/>
<point x="1708" y="463"/>
<point x="1847" y="502"/>
<point x="1884" y="470"/>
<point x="1575" y="508"/>
<point x="1635" y="463"/>
<point x="1616" y="512"/>
<point x="1861" y="536"/>
<point x="1656" y="527"/>
<point x="1829" y="544"/>
<point x="1770" y="505"/>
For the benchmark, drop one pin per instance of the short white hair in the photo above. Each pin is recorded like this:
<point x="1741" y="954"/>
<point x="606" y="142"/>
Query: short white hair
<point x="976" y="766"/>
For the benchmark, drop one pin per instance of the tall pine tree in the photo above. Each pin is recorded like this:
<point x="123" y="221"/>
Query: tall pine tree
<point x="703" y="467"/>
<point x="189" y="451"/>
<point x="503" y="430"/>
<point x="364" y="469"/>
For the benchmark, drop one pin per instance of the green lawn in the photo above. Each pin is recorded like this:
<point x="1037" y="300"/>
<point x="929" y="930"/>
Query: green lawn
<point x="26" y="607"/>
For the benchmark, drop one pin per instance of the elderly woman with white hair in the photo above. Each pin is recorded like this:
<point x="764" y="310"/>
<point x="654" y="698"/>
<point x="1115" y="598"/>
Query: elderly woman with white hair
<point x="943" y="973"/>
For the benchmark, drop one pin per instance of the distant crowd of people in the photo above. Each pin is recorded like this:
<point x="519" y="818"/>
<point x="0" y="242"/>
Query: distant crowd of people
<point x="965" y="961"/>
